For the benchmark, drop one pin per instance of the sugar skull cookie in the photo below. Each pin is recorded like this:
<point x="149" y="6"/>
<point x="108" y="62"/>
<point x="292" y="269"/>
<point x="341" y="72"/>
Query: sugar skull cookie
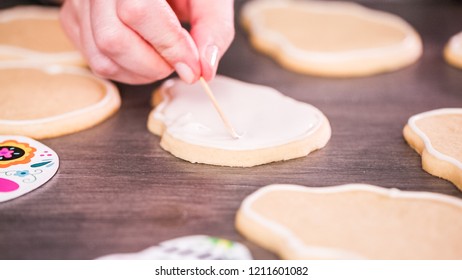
<point x="353" y="221"/>
<point x="437" y="136"/>
<point x="50" y="101"/>
<point x="273" y="127"/>
<point x="332" y="39"/>
<point x="33" y="33"/>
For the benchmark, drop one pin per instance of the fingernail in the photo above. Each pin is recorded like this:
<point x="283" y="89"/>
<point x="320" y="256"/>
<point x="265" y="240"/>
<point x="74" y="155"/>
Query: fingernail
<point x="185" y="72"/>
<point x="211" y="55"/>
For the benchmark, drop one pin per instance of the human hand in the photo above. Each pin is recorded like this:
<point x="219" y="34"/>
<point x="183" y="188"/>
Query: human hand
<point x="141" y="41"/>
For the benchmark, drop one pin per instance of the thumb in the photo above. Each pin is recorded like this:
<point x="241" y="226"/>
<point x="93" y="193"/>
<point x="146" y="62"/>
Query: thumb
<point x="212" y="29"/>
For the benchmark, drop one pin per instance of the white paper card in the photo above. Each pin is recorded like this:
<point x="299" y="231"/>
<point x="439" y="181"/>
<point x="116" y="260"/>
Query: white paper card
<point x="25" y="164"/>
<point x="195" y="247"/>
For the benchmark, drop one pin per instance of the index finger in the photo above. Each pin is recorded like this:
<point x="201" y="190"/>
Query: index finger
<point x="212" y="29"/>
<point x="157" y="23"/>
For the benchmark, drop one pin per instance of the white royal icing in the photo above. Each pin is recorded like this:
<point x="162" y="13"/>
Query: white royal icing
<point x="261" y="115"/>
<point x="411" y="41"/>
<point x="428" y="144"/>
<point x="295" y="244"/>
<point x="110" y="91"/>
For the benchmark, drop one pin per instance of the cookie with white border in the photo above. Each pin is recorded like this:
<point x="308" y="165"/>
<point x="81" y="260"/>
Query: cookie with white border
<point x="437" y="136"/>
<point x="50" y="101"/>
<point x="453" y="51"/>
<point x="196" y="247"/>
<point x="274" y="127"/>
<point x="34" y="33"/>
<point x="353" y="221"/>
<point x="25" y="165"/>
<point x="332" y="39"/>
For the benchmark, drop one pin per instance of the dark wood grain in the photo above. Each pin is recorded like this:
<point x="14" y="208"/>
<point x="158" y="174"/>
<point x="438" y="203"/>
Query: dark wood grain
<point x="118" y="191"/>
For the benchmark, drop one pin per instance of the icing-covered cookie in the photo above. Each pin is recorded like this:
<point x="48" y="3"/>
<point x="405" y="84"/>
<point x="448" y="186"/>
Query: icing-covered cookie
<point x="25" y="165"/>
<point x="34" y="33"/>
<point x="49" y="101"/>
<point x="274" y="127"/>
<point x="352" y="222"/>
<point x="336" y="39"/>
<point x="196" y="247"/>
<point x="453" y="50"/>
<point x="437" y="136"/>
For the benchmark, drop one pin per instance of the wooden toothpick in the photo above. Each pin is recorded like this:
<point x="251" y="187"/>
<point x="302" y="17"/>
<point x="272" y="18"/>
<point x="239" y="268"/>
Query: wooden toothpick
<point x="228" y="125"/>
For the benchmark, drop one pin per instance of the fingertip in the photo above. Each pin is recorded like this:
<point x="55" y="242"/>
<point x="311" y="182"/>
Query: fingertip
<point x="212" y="31"/>
<point x="185" y="72"/>
<point x="209" y="61"/>
<point x="187" y="63"/>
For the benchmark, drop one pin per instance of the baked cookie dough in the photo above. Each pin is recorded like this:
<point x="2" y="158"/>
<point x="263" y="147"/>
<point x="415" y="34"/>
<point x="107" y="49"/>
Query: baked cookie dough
<point x="332" y="39"/>
<point x="352" y="222"/>
<point x="453" y="51"/>
<point x="437" y="136"/>
<point x="273" y="127"/>
<point x="34" y="33"/>
<point x="50" y="101"/>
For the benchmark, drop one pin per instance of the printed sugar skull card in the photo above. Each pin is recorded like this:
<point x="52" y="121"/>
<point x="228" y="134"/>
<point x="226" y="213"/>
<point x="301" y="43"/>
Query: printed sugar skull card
<point x="194" y="247"/>
<point x="25" y="165"/>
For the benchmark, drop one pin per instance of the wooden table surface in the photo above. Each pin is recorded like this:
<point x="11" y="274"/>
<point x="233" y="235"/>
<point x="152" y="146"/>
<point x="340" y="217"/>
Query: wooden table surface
<point x="117" y="191"/>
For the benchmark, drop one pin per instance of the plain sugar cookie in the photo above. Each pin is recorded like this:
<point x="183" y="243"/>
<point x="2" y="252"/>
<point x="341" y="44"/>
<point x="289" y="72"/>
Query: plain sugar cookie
<point x="50" y="101"/>
<point x="34" y="33"/>
<point x="274" y="127"/>
<point x="437" y="136"/>
<point x="352" y="222"/>
<point x="333" y="39"/>
<point x="453" y="51"/>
